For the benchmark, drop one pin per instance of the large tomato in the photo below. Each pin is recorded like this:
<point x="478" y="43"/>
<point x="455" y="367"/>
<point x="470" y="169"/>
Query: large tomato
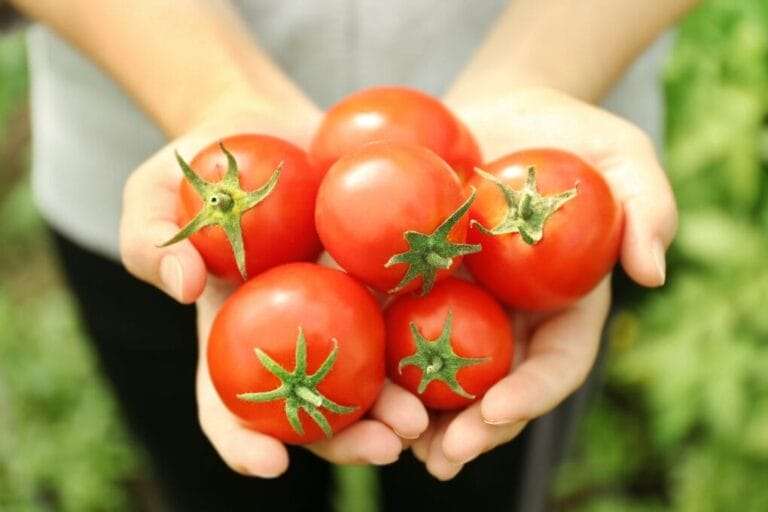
<point x="450" y="346"/>
<point x="394" y="114"/>
<point x="247" y="204"/>
<point x="393" y="215"/>
<point x="298" y="352"/>
<point x="549" y="227"/>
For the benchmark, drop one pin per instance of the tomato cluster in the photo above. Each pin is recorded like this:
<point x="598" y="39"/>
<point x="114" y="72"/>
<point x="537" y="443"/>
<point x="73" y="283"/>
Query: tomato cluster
<point x="394" y="190"/>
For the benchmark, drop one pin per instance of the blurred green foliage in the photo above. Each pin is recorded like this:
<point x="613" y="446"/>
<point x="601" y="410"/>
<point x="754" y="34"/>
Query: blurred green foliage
<point x="62" y="445"/>
<point x="13" y="76"/>
<point x="682" y="423"/>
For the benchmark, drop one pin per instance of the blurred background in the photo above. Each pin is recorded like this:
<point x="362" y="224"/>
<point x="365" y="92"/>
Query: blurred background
<point x="680" y="422"/>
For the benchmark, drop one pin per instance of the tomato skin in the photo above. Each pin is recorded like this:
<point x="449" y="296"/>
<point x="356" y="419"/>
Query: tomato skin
<point x="480" y="328"/>
<point x="370" y="198"/>
<point x="394" y="114"/>
<point x="266" y="312"/>
<point x="580" y="243"/>
<point x="280" y="229"/>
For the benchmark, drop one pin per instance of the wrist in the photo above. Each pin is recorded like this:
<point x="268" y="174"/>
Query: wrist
<point x="516" y="99"/>
<point x="493" y="85"/>
<point x="240" y="101"/>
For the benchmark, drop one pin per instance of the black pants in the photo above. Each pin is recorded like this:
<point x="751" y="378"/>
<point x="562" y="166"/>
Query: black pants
<point x="147" y="346"/>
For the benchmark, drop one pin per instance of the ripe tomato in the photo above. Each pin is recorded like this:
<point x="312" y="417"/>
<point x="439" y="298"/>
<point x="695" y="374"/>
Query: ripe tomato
<point x="298" y="352"/>
<point x="259" y="194"/>
<point x="394" y="114"/>
<point x="449" y="346"/>
<point x="393" y="215"/>
<point x="549" y="227"/>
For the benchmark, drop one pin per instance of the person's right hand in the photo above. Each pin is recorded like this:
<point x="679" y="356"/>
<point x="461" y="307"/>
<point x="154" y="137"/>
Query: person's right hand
<point x="149" y="218"/>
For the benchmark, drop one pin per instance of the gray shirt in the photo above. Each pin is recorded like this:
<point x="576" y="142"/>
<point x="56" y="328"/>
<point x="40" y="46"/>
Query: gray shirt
<point x="88" y="135"/>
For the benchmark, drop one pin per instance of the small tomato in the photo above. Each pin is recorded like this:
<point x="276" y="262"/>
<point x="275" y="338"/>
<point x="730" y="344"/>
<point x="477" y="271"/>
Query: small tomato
<point x="247" y="204"/>
<point x="394" y="114"/>
<point x="298" y="352"/>
<point x="549" y="227"/>
<point x="450" y="346"/>
<point x="393" y="215"/>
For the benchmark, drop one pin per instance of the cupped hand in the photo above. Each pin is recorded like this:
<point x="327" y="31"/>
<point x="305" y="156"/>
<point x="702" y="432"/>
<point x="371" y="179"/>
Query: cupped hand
<point x="376" y="439"/>
<point x="559" y="349"/>
<point x="150" y="217"/>
<point x="150" y="196"/>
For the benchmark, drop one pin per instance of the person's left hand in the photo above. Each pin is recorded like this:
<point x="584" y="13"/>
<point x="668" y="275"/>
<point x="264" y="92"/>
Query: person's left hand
<point x="378" y="438"/>
<point x="559" y="349"/>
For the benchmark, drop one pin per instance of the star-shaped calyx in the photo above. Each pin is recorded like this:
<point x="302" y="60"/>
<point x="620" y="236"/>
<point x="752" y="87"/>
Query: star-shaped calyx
<point x="437" y="360"/>
<point x="298" y="389"/>
<point x="429" y="253"/>
<point x="224" y="203"/>
<point x="527" y="210"/>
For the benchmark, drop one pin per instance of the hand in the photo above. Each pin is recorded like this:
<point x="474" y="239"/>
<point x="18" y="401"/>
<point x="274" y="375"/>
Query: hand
<point x="150" y="196"/>
<point x="375" y="439"/>
<point x="559" y="348"/>
<point x="149" y="218"/>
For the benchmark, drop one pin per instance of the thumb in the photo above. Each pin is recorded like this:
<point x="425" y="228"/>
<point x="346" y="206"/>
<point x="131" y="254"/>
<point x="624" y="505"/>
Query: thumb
<point x="150" y="200"/>
<point x="641" y="185"/>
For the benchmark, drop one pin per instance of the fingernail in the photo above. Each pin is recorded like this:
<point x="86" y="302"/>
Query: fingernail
<point x="503" y="421"/>
<point x="400" y="434"/>
<point x="171" y="275"/>
<point x="659" y="259"/>
<point x="384" y="459"/>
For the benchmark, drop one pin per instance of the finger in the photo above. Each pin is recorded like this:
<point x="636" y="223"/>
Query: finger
<point x="366" y="441"/>
<point x="150" y="201"/>
<point x="401" y="411"/>
<point x="326" y="260"/>
<point x="437" y="463"/>
<point x="245" y="451"/>
<point x="560" y="355"/>
<point x="420" y="446"/>
<point x="641" y="186"/>
<point x="468" y="436"/>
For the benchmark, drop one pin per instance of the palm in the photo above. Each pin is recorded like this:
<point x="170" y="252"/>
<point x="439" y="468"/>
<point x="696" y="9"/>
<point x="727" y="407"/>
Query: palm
<point x="559" y="349"/>
<point x="371" y="440"/>
<point x="149" y="218"/>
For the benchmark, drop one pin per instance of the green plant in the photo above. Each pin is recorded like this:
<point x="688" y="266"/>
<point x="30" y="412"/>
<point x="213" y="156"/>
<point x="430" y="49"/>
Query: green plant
<point x="62" y="445"/>
<point x="683" y="421"/>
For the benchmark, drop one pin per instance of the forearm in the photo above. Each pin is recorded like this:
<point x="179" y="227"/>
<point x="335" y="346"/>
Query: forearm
<point x="579" y="47"/>
<point x="179" y="60"/>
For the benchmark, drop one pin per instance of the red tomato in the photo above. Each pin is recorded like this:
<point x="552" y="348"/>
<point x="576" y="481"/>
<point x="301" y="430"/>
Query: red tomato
<point x="394" y="114"/>
<point x="449" y="346"/>
<point x="277" y="229"/>
<point x="575" y="217"/>
<point x="393" y="215"/>
<point x="266" y="319"/>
